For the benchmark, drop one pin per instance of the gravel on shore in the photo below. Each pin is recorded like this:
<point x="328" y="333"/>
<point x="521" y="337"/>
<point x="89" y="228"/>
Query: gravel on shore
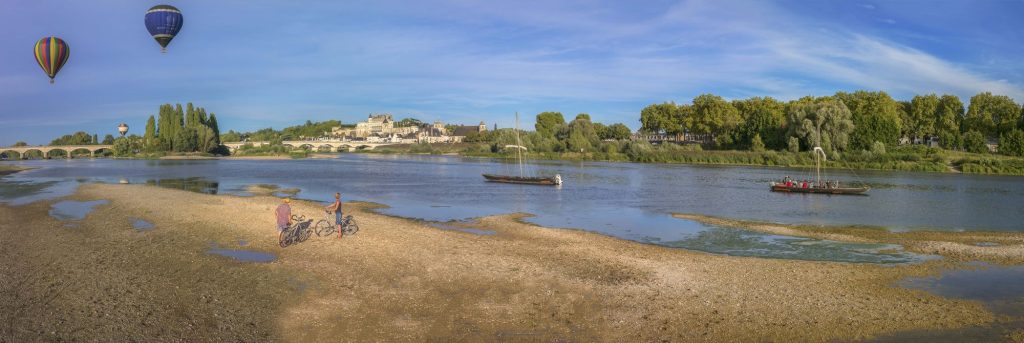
<point x="403" y="280"/>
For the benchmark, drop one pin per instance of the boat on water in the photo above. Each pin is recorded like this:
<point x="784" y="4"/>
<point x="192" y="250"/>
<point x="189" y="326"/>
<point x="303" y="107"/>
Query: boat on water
<point x="522" y="179"/>
<point x="817" y="186"/>
<point x="526" y="180"/>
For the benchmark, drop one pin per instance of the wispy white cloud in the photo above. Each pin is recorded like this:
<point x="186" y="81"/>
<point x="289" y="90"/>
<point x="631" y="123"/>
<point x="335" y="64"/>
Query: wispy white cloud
<point x="457" y="60"/>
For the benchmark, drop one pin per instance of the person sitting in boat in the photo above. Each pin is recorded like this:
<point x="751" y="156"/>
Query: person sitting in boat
<point x="787" y="181"/>
<point x="804" y="184"/>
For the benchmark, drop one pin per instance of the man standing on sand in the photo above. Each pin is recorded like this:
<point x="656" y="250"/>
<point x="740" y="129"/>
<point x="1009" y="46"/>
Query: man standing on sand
<point x="284" y="215"/>
<point x="336" y="208"/>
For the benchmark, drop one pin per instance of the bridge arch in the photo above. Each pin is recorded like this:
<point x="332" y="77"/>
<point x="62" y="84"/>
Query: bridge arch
<point x="9" y="153"/>
<point x="72" y="151"/>
<point x="99" y="151"/>
<point x="48" y="153"/>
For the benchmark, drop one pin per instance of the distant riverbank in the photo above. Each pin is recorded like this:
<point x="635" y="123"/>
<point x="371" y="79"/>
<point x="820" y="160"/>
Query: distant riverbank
<point x="911" y="158"/>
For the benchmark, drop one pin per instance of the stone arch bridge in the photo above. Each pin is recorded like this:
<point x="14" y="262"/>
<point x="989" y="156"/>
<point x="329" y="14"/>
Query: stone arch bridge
<point x="45" y="150"/>
<point x="333" y="146"/>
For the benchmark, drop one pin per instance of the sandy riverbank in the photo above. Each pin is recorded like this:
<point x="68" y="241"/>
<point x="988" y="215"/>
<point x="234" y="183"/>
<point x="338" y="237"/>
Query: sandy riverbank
<point x="402" y="280"/>
<point x="996" y="247"/>
<point x="7" y="169"/>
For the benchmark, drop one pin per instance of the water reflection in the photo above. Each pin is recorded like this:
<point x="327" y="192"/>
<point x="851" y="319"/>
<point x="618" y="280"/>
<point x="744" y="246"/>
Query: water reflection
<point x="1001" y="289"/>
<point x="74" y="210"/>
<point x="631" y="201"/>
<point x="191" y="184"/>
<point x="140" y="224"/>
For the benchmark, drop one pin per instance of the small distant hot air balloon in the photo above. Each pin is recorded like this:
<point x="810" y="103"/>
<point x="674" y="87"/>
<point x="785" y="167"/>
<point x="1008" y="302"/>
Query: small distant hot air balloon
<point x="51" y="53"/>
<point x="122" y="129"/>
<point x="164" y="22"/>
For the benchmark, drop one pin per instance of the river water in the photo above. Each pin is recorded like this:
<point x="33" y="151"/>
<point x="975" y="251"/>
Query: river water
<point x="626" y="200"/>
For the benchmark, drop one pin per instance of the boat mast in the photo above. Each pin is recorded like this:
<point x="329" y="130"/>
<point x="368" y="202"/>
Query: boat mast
<point x="519" y="147"/>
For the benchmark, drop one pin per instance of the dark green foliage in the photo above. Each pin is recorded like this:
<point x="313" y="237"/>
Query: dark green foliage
<point x="715" y="117"/>
<point x="185" y="140"/>
<point x="876" y="117"/>
<point x="149" y="139"/>
<point x="764" y="118"/>
<point x="661" y="118"/>
<point x="991" y="114"/>
<point x="406" y="122"/>
<point x="950" y="114"/>
<point x="108" y="139"/>
<point x="20" y="143"/>
<point x="793" y="145"/>
<point x="756" y="144"/>
<point x="1012" y="143"/>
<point x="547" y="123"/>
<point x="922" y="115"/>
<point x="823" y="122"/>
<point x="617" y="131"/>
<point x="974" y="141"/>
<point x="77" y="138"/>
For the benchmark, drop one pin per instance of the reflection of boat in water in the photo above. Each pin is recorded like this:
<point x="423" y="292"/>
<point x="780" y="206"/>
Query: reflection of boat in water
<point x="522" y="179"/>
<point x="817" y="187"/>
<point x="526" y="180"/>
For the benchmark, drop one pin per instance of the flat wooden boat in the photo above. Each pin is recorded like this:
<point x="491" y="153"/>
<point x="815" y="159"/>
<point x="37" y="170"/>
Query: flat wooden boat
<point x="525" y="180"/>
<point x="781" y="187"/>
<point x="817" y="187"/>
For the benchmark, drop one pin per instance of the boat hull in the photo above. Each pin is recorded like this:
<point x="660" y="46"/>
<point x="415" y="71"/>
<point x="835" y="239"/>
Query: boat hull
<point x="540" y="181"/>
<point x="777" y="187"/>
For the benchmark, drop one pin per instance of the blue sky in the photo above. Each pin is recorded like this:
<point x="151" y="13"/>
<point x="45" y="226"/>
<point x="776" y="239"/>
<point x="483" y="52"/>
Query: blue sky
<point x="260" y="63"/>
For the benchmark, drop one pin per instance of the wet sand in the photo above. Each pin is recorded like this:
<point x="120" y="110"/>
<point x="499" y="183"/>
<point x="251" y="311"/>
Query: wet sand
<point x="402" y="280"/>
<point x="995" y="247"/>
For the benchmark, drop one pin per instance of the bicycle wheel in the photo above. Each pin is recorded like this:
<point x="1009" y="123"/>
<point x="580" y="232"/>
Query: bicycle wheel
<point x="324" y="228"/>
<point x="350" y="226"/>
<point x="304" y="232"/>
<point x="283" y="238"/>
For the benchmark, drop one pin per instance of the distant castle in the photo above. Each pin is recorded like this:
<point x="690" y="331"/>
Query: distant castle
<point x="381" y="128"/>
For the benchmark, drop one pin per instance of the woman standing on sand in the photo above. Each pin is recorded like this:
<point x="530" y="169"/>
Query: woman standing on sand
<point x="336" y="208"/>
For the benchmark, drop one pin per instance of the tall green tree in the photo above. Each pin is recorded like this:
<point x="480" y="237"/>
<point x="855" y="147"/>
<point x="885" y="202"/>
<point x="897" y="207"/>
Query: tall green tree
<point x="763" y="117"/>
<point x="190" y="116"/>
<point x="77" y="138"/>
<point x="617" y="131"/>
<point x="108" y="139"/>
<point x="876" y="118"/>
<point x="663" y="118"/>
<point x="149" y="139"/>
<point x="922" y="117"/>
<point x="547" y="122"/>
<point x="824" y="122"/>
<point x="582" y="135"/>
<point x="715" y="117"/>
<point x="947" y="122"/>
<point x="1012" y="143"/>
<point x="216" y="130"/>
<point x="992" y="114"/>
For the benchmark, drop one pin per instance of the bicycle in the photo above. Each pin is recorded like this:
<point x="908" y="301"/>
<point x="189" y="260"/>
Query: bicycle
<point x="326" y="226"/>
<point x="296" y="233"/>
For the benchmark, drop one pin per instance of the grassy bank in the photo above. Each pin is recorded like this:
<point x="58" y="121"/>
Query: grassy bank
<point x="910" y="158"/>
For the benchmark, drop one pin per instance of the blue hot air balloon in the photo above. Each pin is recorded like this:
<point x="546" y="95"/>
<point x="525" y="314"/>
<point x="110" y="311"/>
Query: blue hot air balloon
<point x="164" y="22"/>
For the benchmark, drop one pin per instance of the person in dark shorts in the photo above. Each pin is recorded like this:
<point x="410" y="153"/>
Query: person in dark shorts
<point x="336" y="208"/>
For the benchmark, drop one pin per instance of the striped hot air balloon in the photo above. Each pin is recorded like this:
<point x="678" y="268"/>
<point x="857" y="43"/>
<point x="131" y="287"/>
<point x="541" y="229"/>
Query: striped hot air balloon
<point x="51" y="53"/>
<point x="164" y="22"/>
